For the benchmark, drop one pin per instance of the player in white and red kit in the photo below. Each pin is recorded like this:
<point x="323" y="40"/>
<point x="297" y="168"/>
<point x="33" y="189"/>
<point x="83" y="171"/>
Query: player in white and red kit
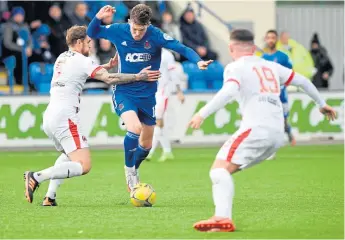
<point x="166" y="84"/>
<point x="255" y="82"/>
<point x="61" y="121"/>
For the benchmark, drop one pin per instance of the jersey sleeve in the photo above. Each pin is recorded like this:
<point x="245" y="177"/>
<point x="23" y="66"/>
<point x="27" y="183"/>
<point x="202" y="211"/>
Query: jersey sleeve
<point x="225" y="95"/>
<point x="285" y="74"/>
<point x="166" y="41"/>
<point x="96" y="30"/>
<point x="90" y="67"/>
<point x="231" y="74"/>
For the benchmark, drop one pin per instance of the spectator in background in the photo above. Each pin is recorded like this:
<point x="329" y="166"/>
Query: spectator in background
<point x="36" y="12"/>
<point x="322" y="63"/>
<point x="41" y="46"/>
<point x="12" y="43"/>
<point x="301" y="59"/>
<point x="79" y="16"/>
<point x="170" y="27"/>
<point x="105" y="52"/>
<point x="194" y="36"/>
<point x="58" y="24"/>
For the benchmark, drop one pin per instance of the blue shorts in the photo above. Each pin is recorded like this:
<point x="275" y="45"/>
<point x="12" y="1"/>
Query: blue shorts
<point x="285" y="102"/>
<point x="144" y="107"/>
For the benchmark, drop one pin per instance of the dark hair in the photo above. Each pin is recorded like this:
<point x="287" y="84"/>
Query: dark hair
<point x="74" y="33"/>
<point x="242" y="35"/>
<point x="272" y="31"/>
<point x="141" y="14"/>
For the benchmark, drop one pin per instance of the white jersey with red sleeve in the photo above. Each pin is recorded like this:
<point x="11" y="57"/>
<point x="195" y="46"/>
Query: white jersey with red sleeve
<point x="71" y="69"/>
<point x="258" y="91"/>
<point x="256" y="84"/>
<point x="167" y="66"/>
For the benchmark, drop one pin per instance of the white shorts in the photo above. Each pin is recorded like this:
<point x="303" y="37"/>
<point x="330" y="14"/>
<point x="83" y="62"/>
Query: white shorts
<point x="161" y="105"/>
<point x="251" y="145"/>
<point x="63" y="128"/>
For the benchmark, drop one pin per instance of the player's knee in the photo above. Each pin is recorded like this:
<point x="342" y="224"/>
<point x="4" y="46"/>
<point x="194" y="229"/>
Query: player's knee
<point x="86" y="167"/>
<point x="147" y="144"/>
<point x="135" y="128"/>
<point x="218" y="163"/>
<point x="217" y="175"/>
<point x="83" y="157"/>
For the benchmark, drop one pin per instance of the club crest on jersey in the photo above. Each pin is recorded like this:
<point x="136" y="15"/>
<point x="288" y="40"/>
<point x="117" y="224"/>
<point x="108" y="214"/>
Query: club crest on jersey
<point x="167" y="37"/>
<point x="147" y="45"/>
<point x="121" y="106"/>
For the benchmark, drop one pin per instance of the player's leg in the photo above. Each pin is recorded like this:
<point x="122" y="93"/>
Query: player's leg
<point x="54" y="184"/>
<point x="245" y="149"/>
<point x="131" y="141"/>
<point x="285" y="102"/>
<point x="75" y="146"/>
<point x="147" y="117"/>
<point x="127" y="110"/>
<point x="223" y="189"/>
<point x="289" y="132"/>
<point x="159" y="113"/>
<point x="145" y="144"/>
<point x="155" y="139"/>
<point x="165" y="142"/>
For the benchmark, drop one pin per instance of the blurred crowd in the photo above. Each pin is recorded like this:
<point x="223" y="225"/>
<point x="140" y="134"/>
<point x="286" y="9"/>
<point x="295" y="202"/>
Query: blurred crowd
<point x="314" y="63"/>
<point x="40" y="28"/>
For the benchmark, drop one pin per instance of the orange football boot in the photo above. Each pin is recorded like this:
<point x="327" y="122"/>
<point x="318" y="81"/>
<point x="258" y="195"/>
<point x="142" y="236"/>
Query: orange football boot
<point x="215" y="224"/>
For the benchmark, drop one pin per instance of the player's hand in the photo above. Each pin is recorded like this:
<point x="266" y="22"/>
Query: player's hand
<point x="329" y="112"/>
<point x="204" y="64"/>
<point x="148" y="75"/>
<point x="180" y="96"/>
<point x="196" y="121"/>
<point x="114" y="61"/>
<point x="105" y="11"/>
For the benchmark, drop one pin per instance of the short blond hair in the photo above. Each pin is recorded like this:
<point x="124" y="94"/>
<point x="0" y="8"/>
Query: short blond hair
<point x="74" y="33"/>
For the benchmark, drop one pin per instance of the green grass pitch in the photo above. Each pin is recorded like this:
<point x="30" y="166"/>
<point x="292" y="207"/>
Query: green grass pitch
<point x="298" y="195"/>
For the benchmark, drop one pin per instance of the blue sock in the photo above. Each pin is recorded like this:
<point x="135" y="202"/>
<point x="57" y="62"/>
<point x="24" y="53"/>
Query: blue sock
<point x="140" y="155"/>
<point x="288" y="131"/>
<point x="130" y="144"/>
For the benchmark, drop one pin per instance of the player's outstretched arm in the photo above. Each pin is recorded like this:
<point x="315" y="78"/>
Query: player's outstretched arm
<point x="224" y="95"/>
<point x="95" y="29"/>
<point x="298" y="80"/>
<point x="122" y="78"/>
<point x="172" y="44"/>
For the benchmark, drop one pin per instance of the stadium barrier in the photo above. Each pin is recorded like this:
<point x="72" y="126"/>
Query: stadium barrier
<point x="21" y="120"/>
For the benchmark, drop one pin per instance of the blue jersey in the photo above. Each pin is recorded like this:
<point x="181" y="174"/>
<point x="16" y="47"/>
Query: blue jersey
<point x="136" y="55"/>
<point x="278" y="57"/>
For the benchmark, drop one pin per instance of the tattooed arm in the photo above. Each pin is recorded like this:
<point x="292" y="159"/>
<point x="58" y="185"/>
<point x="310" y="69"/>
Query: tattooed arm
<point x="119" y="78"/>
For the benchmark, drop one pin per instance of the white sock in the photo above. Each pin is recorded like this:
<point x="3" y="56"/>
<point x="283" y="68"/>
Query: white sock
<point x="165" y="141"/>
<point x="60" y="171"/>
<point x="131" y="177"/>
<point x="223" y="192"/>
<point x="55" y="183"/>
<point x="155" y="139"/>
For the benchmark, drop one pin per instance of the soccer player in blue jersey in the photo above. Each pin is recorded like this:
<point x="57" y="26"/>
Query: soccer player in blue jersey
<point x="279" y="57"/>
<point x="139" y="45"/>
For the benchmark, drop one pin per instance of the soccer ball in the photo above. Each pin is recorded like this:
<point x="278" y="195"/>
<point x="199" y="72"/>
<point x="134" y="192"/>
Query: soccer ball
<point x="143" y="195"/>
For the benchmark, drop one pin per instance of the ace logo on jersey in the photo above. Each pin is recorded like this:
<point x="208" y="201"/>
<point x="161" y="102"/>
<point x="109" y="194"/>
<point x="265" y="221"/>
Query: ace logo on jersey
<point x="138" y="57"/>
